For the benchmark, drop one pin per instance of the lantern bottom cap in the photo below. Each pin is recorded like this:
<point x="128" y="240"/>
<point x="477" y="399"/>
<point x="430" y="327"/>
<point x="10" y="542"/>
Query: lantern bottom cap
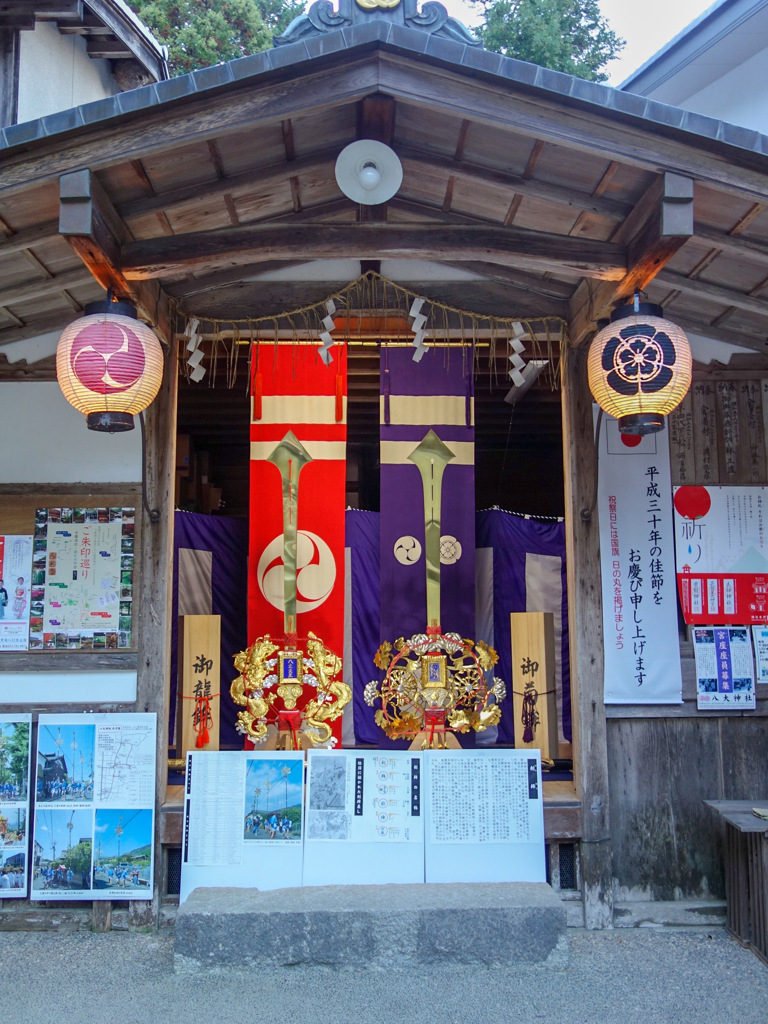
<point x="641" y="423"/>
<point x="110" y="422"/>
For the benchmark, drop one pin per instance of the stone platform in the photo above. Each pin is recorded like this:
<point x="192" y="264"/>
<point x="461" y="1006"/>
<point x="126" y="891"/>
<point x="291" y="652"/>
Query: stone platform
<point x="379" y="926"/>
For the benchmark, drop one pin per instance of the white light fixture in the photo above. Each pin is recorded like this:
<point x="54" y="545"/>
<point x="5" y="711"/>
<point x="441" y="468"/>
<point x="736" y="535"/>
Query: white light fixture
<point x="368" y="172"/>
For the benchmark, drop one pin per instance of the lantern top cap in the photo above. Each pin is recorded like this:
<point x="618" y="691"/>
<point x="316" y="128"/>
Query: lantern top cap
<point x="636" y="309"/>
<point x="107" y="306"/>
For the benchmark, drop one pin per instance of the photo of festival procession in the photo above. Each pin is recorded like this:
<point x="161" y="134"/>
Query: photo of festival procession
<point x="13" y="873"/>
<point x="62" y="850"/>
<point x="13" y="827"/>
<point x="122" y="854"/>
<point x="273" y="797"/>
<point x="65" y="764"/>
<point x="14" y="761"/>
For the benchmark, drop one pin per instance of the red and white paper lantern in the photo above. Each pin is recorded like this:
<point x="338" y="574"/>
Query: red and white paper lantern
<point x="109" y="365"/>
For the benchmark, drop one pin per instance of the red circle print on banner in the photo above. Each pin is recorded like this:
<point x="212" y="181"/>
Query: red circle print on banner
<point x="692" y="502"/>
<point x="631" y="440"/>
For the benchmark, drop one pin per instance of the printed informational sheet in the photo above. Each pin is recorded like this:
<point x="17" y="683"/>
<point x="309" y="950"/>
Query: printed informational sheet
<point x="721" y="547"/>
<point x="94" y="807"/>
<point x="82" y="579"/>
<point x="243" y="820"/>
<point x="760" y="638"/>
<point x="364" y="817"/>
<point x="642" y="652"/>
<point x="14" y="803"/>
<point x="15" y="580"/>
<point x="725" y="677"/>
<point x="484" y="816"/>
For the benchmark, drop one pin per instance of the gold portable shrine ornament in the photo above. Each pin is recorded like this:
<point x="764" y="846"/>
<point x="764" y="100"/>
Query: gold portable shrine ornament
<point x="277" y="674"/>
<point x="435" y="682"/>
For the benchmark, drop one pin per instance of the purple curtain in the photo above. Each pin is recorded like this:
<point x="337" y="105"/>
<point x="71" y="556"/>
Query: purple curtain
<point x="227" y="542"/>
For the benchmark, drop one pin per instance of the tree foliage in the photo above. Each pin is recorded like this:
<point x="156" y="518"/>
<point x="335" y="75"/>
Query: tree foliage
<point x="199" y="33"/>
<point x="79" y="858"/>
<point x="13" y="754"/>
<point x="564" y="35"/>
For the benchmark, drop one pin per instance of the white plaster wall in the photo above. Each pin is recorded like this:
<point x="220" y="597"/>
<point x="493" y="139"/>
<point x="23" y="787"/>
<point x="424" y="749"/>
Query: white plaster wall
<point x="45" y="440"/>
<point x="739" y="96"/>
<point x="56" y="73"/>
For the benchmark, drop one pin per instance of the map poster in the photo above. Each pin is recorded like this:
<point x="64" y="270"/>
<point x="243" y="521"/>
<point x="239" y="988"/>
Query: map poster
<point x="93" y="834"/>
<point x="82" y="579"/>
<point x="725" y="678"/>
<point x="243" y="820"/>
<point x="721" y="545"/>
<point x="485" y="816"/>
<point x="14" y="804"/>
<point x="364" y="817"/>
<point x="15" y="580"/>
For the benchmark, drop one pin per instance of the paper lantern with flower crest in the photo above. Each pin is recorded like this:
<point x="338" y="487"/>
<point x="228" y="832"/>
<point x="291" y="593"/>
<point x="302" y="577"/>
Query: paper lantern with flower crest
<point x="109" y="365"/>
<point x="639" y="367"/>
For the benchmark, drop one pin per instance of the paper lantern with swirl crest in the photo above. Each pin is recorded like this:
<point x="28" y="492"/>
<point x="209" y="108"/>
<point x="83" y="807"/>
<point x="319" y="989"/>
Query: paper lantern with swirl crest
<point x="639" y="368"/>
<point x="109" y="365"/>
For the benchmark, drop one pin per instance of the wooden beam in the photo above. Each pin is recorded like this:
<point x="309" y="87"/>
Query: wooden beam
<point x="160" y="257"/>
<point x="95" y="232"/>
<point x="660" y="224"/>
<point x="108" y="49"/>
<point x="9" y="75"/>
<point x="582" y="546"/>
<point x="713" y="292"/>
<point x="93" y="229"/>
<point x="78" y="278"/>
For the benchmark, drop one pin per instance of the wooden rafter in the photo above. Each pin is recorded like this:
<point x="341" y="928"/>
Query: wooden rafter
<point x="660" y="224"/>
<point x="166" y="256"/>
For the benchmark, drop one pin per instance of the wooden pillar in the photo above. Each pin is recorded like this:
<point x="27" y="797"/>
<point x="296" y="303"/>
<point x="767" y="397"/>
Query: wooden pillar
<point x="586" y="641"/>
<point x="9" y="76"/>
<point x="156" y="575"/>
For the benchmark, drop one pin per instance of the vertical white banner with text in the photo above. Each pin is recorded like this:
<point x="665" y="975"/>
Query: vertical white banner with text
<point x="642" y="653"/>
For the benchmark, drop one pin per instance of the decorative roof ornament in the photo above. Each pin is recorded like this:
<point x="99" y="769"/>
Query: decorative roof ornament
<point x="322" y="18"/>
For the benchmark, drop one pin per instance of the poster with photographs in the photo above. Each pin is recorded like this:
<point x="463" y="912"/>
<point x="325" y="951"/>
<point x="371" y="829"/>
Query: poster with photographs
<point x="243" y="820"/>
<point x="14" y="803"/>
<point x="725" y="674"/>
<point x="94" y="809"/>
<point x="82" y="579"/>
<point x="15" y="582"/>
<point x="364" y="819"/>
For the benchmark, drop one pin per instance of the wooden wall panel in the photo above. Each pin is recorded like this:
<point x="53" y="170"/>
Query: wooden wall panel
<point x="706" y="453"/>
<point x="666" y="845"/>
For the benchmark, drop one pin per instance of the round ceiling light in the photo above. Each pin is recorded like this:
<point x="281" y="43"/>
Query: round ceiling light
<point x="368" y="172"/>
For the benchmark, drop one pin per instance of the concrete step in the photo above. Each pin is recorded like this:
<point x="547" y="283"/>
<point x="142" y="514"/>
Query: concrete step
<point x="371" y="926"/>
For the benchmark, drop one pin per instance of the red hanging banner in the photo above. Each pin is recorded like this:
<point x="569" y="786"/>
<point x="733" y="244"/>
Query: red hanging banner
<point x="299" y="393"/>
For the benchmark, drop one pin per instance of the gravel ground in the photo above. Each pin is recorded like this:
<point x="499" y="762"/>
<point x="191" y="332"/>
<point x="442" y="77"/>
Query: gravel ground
<point x="617" y="977"/>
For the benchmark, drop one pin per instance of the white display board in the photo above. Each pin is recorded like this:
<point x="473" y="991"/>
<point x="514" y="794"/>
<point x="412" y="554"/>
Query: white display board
<point x="243" y="820"/>
<point x="484" y="816"/>
<point x="15" y="591"/>
<point x="94" y="807"/>
<point x="364" y="817"/>
<point x="14" y="804"/>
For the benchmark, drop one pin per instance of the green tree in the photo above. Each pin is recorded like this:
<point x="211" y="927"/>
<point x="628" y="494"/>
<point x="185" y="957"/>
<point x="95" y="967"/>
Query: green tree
<point x="199" y="33"/>
<point x="564" y="35"/>
<point x="79" y="858"/>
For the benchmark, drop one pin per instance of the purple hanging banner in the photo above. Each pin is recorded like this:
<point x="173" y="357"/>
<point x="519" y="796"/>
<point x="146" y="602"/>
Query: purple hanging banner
<point x="434" y="394"/>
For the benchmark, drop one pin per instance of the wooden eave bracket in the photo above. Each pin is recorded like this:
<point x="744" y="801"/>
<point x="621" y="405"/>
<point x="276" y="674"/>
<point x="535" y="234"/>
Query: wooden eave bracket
<point x="94" y="230"/>
<point x="659" y="225"/>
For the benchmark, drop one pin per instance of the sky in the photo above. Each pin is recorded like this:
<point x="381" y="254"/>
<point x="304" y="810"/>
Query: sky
<point x="646" y="27"/>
